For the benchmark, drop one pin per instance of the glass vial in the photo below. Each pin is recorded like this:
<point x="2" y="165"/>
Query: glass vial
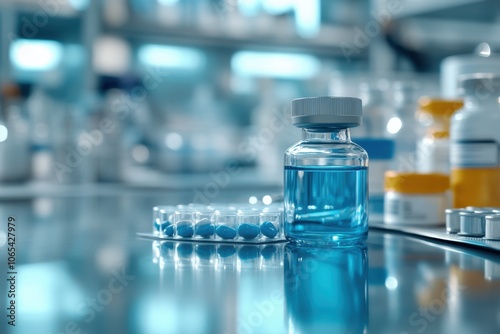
<point x="326" y="184"/>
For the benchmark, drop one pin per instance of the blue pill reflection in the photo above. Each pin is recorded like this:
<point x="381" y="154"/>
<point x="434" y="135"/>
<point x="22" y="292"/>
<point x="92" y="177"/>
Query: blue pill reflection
<point x="248" y="252"/>
<point x="226" y="251"/>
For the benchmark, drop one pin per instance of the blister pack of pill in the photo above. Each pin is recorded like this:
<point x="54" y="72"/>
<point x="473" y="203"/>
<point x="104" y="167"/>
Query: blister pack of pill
<point x="182" y="254"/>
<point x="473" y="226"/>
<point x="219" y="223"/>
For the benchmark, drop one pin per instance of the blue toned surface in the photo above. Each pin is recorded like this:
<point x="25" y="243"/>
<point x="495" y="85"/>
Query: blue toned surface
<point x="226" y="232"/>
<point x="185" y="231"/>
<point x="70" y="254"/>
<point x="269" y="230"/>
<point x="248" y="231"/>
<point x="326" y="204"/>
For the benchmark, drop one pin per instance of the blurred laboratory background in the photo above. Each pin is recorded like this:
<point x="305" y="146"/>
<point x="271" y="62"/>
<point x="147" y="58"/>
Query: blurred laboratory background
<point x="141" y="91"/>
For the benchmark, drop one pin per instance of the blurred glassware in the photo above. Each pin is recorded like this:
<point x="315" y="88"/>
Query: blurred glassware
<point x="483" y="60"/>
<point x="402" y="126"/>
<point x="380" y="152"/>
<point x="109" y="125"/>
<point x="39" y="106"/>
<point x="15" y="155"/>
<point x="375" y="111"/>
<point x="272" y="131"/>
<point x="372" y="137"/>
<point x="74" y="143"/>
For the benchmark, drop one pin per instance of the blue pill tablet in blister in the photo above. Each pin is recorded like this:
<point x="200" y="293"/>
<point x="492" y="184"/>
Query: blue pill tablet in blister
<point x="156" y="225"/>
<point x="169" y="230"/>
<point x="269" y="230"/>
<point x="185" y="231"/>
<point x="204" y="228"/>
<point x="248" y="231"/>
<point x="244" y="224"/>
<point x="160" y="226"/>
<point x="226" y="232"/>
<point x="165" y="227"/>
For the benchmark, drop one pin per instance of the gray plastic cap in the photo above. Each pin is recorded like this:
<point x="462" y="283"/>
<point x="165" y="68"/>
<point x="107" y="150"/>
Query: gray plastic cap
<point x="480" y="84"/>
<point x="327" y="112"/>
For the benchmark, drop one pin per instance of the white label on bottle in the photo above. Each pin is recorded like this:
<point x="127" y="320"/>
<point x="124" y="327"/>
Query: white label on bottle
<point x="433" y="157"/>
<point x="414" y="209"/>
<point x="481" y="153"/>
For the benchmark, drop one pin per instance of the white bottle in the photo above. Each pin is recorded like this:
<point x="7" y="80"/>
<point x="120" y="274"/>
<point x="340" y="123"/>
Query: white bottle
<point x="375" y="111"/>
<point x="475" y="143"/>
<point x="433" y="148"/>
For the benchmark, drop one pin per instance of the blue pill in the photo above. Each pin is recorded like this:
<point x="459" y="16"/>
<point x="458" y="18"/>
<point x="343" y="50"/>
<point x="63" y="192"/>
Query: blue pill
<point x="156" y="225"/>
<point x="165" y="227"/>
<point x="226" y="232"/>
<point x="205" y="230"/>
<point x="226" y="251"/>
<point x="269" y="230"/>
<point x="160" y="226"/>
<point x="185" y="231"/>
<point x="169" y="230"/>
<point x="268" y="251"/>
<point x="248" y="252"/>
<point x="248" y="231"/>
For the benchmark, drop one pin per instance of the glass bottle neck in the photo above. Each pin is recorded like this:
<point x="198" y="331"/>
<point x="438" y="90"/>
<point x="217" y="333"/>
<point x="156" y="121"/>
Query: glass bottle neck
<point x="325" y="135"/>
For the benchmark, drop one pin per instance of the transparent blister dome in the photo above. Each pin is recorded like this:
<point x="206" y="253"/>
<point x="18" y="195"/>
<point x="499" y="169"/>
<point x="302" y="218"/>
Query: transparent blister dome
<point x="219" y="223"/>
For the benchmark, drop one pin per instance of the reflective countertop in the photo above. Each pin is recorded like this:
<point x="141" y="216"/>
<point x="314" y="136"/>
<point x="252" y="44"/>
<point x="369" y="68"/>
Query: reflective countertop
<point x="80" y="268"/>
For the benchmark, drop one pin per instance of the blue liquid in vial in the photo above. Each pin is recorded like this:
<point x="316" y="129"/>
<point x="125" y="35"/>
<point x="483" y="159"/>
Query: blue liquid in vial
<point x="326" y="204"/>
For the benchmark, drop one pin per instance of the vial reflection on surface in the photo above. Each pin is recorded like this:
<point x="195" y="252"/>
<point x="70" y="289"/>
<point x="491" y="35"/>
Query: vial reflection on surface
<point x="326" y="289"/>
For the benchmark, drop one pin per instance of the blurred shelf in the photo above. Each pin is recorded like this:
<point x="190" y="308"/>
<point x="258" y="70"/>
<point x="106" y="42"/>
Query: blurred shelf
<point x="247" y="178"/>
<point x="141" y="180"/>
<point x="456" y="9"/>
<point x="444" y="27"/>
<point x="45" y="10"/>
<point x="441" y="35"/>
<point x="278" y="36"/>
